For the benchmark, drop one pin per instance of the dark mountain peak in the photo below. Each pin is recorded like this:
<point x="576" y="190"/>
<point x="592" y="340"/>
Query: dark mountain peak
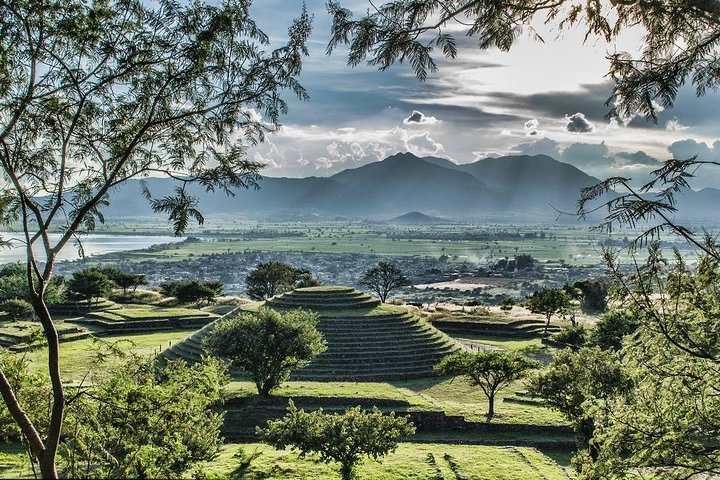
<point x="416" y="218"/>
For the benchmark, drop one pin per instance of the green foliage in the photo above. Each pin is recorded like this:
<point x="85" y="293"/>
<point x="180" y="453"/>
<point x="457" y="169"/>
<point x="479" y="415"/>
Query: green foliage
<point x="89" y="284"/>
<point x="145" y="421"/>
<point x="14" y="285"/>
<point x="491" y="370"/>
<point x="610" y="330"/>
<point x="273" y="278"/>
<point x="671" y="419"/>
<point x="577" y="385"/>
<point x="593" y="295"/>
<point x="384" y="278"/>
<point x="192" y="291"/>
<point x="267" y="345"/>
<point x="507" y="304"/>
<point x="124" y="280"/>
<point x="549" y="302"/>
<point x="32" y="390"/>
<point x="573" y="335"/>
<point x="344" y="438"/>
<point x="17" y="309"/>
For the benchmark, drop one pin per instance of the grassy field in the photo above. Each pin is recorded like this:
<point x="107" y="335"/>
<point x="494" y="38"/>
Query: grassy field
<point x="147" y="312"/>
<point x="80" y="356"/>
<point x="573" y="245"/>
<point x="409" y="461"/>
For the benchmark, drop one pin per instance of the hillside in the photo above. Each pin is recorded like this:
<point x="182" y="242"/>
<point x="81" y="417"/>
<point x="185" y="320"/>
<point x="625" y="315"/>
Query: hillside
<point x="512" y="188"/>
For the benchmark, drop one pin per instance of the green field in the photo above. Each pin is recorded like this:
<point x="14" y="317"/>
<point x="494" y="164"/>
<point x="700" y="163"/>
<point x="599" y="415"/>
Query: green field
<point x="574" y="245"/>
<point x="79" y="357"/>
<point x="410" y="461"/>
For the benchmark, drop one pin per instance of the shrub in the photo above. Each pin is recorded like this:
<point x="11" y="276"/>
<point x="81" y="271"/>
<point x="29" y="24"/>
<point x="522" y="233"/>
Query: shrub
<point x="17" y="309"/>
<point x="575" y="335"/>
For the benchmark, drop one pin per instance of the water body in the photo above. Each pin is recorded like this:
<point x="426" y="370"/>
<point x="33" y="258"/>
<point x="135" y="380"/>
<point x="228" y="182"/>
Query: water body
<point x="92" y="244"/>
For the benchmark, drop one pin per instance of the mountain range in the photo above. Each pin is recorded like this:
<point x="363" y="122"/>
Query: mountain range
<point x="511" y="188"/>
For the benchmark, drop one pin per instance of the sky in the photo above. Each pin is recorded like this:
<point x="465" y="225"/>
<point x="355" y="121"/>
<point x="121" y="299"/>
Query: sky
<point x="539" y="98"/>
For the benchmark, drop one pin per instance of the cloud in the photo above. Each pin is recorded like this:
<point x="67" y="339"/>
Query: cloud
<point x="531" y="126"/>
<point x="587" y="154"/>
<point x="688" y="148"/>
<point x="637" y="158"/>
<point x="543" y="146"/>
<point x="420" y="118"/>
<point x="577" y="123"/>
<point x="674" y="125"/>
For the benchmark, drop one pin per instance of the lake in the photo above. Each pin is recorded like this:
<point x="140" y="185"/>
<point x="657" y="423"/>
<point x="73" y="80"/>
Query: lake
<point x="93" y="244"/>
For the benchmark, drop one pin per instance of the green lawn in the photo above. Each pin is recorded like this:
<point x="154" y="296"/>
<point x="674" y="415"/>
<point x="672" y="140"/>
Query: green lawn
<point x="80" y="356"/>
<point x="409" y="461"/>
<point x="148" y="312"/>
<point x="457" y="397"/>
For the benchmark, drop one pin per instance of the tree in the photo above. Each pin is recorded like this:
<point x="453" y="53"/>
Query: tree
<point x="384" y="278"/>
<point x="94" y="93"/>
<point x="89" y="284"/>
<point x="13" y="285"/>
<point x="593" y="294"/>
<point x="145" y="421"/>
<point x="268" y="345"/>
<point x="198" y="292"/>
<point x="577" y="385"/>
<point x="344" y="438"/>
<point x="17" y="309"/>
<point x="671" y="418"/>
<point x="273" y="278"/>
<point x="549" y="302"/>
<point x="124" y="280"/>
<point x="610" y="330"/>
<point x="491" y="370"/>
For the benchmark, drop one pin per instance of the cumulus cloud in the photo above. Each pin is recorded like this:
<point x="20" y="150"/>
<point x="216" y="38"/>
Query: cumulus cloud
<point x="637" y="158"/>
<point x="420" y="118"/>
<point x="587" y="154"/>
<point x="543" y="146"/>
<point x="531" y="127"/>
<point x="674" y="125"/>
<point x="577" y="123"/>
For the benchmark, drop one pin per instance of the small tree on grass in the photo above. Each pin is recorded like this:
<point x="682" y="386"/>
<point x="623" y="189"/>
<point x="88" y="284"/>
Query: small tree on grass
<point x="549" y="302"/>
<point x="491" y="370"/>
<point x="343" y="438"/>
<point x="89" y="284"/>
<point x="384" y="278"/>
<point x="267" y="345"/>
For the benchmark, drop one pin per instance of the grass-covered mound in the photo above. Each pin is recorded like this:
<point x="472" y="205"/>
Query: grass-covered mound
<point x="367" y="341"/>
<point x="146" y="317"/>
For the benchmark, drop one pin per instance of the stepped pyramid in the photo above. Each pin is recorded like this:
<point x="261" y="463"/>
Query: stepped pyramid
<point x="366" y="341"/>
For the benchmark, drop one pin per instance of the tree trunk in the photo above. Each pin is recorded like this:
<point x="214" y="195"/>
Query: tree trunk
<point x="47" y="457"/>
<point x="491" y="407"/>
<point x="547" y="325"/>
<point x="347" y="471"/>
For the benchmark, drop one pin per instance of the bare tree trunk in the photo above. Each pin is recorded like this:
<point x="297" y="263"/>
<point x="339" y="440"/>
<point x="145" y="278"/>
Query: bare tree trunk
<point x="48" y="455"/>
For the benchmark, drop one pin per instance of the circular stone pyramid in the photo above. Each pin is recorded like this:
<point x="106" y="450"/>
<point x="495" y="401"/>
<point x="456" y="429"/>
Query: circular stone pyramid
<point x="367" y="341"/>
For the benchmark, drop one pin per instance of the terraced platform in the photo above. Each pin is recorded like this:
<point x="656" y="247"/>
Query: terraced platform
<point x="366" y="341"/>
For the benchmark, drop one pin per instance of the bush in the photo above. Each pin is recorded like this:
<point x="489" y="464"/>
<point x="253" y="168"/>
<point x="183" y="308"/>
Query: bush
<point x="17" y="309"/>
<point x="575" y="335"/>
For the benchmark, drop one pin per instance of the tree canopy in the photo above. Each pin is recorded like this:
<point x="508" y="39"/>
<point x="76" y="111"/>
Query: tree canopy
<point x="549" y="302"/>
<point x="94" y="93"/>
<point x="384" y="278"/>
<point x="273" y="278"/>
<point x="338" y="437"/>
<point x="491" y="370"/>
<point x="267" y="345"/>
